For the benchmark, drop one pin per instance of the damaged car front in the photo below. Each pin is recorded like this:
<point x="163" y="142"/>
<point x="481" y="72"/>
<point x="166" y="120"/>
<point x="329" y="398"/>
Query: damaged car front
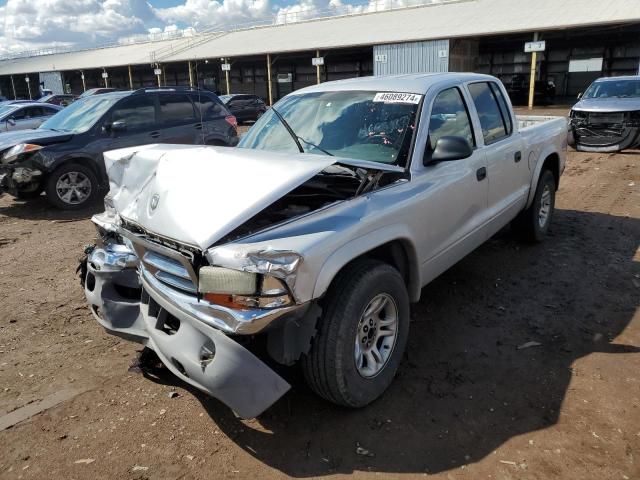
<point x="607" y="117"/>
<point x="209" y="255"/>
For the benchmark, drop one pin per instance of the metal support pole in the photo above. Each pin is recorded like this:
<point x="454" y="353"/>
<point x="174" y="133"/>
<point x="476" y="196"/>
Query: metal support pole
<point x="84" y="85"/>
<point x="130" y="78"/>
<point x="532" y="80"/>
<point x="318" y="68"/>
<point x="29" y="88"/>
<point x="226" y="75"/>
<point x="190" y="75"/>
<point x="164" y="76"/>
<point x="269" y="79"/>
<point x="13" y="86"/>
<point x="106" y="81"/>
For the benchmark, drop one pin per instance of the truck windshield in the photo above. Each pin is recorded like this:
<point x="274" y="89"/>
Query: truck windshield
<point x="374" y="126"/>
<point x="81" y="115"/>
<point x="614" y="88"/>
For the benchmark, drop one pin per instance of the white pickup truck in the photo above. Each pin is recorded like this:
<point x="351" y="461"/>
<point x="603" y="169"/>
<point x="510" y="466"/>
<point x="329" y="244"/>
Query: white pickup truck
<point x="312" y="238"/>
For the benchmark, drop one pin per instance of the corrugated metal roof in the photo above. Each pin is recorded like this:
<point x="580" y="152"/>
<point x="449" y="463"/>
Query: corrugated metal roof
<point x="463" y="19"/>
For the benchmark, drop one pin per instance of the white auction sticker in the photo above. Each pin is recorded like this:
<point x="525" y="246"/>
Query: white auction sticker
<point x="395" y="97"/>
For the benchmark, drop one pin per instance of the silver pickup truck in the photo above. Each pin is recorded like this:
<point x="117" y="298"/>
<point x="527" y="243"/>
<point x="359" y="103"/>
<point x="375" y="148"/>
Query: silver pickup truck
<point x="309" y="241"/>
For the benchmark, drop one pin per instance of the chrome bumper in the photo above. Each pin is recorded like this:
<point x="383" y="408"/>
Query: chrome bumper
<point x="188" y="335"/>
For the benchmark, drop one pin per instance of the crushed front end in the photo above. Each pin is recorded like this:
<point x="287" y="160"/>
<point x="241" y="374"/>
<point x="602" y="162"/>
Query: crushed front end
<point x="604" y="131"/>
<point x="148" y="289"/>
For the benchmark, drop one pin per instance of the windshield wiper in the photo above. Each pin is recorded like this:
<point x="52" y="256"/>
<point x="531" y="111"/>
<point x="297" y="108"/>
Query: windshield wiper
<point x="315" y="146"/>
<point x="289" y="129"/>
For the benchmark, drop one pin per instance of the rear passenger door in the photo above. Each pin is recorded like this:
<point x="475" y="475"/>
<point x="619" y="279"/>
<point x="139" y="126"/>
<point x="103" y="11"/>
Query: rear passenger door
<point x="507" y="169"/>
<point x="178" y="121"/>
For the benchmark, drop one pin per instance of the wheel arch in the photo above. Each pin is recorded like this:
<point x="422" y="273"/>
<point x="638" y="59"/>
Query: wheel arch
<point x="394" y="249"/>
<point x="551" y="162"/>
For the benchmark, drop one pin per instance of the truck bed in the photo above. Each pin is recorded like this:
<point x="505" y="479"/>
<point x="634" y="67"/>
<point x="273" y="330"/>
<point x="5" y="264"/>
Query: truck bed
<point x="527" y="121"/>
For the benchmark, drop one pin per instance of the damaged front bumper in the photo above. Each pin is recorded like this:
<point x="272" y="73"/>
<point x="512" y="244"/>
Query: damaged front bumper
<point x="604" y="132"/>
<point x="190" y="337"/>
<point x="15" y="179"/>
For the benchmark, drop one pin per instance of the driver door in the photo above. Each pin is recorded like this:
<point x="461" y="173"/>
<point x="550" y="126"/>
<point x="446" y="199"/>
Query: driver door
<point x="453" y="194"/>
<point x="138" y="112"/>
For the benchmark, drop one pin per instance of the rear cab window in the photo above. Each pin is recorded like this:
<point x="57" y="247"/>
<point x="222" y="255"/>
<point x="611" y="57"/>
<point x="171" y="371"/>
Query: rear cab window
<point x="493" y="113"/>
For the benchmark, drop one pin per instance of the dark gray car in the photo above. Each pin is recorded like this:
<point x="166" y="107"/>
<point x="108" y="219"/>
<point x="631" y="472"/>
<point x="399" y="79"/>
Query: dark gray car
<point x="607" y="117"/>
<point x="64" y="156"/>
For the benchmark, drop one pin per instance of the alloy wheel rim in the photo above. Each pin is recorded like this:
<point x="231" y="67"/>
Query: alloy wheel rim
<point x="545" y="207"/>
<point x="73" y="188"/>
<point x="376" y="335"/>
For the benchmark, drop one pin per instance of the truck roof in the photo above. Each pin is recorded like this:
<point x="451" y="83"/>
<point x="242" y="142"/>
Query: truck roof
<point x="409" y="83"/>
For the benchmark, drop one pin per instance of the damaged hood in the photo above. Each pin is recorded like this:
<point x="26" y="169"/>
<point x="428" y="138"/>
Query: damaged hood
<point x="607" y="105"/>
<point x="196" y="194"/>
<point x="40" y="136"/>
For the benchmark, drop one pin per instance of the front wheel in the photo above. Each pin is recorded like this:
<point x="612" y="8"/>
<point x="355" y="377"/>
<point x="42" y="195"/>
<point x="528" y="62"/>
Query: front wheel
<point x="72" y="187"/>
<point x="533" y="223"/>
<point x="362" y="335"/>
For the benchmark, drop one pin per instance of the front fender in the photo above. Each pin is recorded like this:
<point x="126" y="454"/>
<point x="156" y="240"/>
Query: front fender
<point x="363" y="244"/>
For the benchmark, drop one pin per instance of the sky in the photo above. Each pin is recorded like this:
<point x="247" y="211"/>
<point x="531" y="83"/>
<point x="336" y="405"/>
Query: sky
<point x="37" y="24"/>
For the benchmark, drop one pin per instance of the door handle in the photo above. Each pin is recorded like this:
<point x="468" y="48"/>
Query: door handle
<point x="517" y="156"/>
<point x="198" y="126"/>
<point x="154" y="134"/>
<point x="481" y="173"/>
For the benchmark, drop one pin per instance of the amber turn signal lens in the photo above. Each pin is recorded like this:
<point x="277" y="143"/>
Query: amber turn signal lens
<point x="224" y="300"/>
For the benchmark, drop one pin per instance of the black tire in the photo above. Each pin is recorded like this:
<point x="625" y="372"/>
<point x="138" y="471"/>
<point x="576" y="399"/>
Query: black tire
<point x="528" y="225"/>
<point x="69" y="168"/>
<point x="330" y="366"/>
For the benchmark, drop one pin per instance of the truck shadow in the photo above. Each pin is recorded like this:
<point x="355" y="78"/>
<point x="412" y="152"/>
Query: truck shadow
<point x="464" y="387"/>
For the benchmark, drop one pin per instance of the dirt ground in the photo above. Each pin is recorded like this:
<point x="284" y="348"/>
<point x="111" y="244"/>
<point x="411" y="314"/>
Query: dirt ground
<point x="467" y="403"/>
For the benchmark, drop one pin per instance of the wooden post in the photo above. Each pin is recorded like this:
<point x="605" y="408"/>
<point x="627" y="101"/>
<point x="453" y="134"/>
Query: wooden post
<point x="318" y="67"/>
<point x="269" y="79"/>
<point x="190" y="75"/>
<point x="13" y="86"/>
<point x="532" y="81"/>
<point x="130" y="78"/>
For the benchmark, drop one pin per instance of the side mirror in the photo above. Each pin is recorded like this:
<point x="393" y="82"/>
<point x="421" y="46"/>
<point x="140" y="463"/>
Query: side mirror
<point x="579" y="95"/>
<point x="11" y="121"/>
<point x="449" y="148"/>
<point x="118" y="126"/>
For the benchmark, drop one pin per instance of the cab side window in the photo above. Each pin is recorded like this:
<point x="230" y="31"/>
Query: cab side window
<point x="494" y="118"/>
<point x="176" y="109"/>
<point x="449" y="117"/>
<point x="138" y="112"/>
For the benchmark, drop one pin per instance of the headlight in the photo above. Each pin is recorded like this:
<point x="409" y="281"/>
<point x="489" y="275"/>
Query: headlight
<point x="242" y="290"/>
<point x="13" y="153"/>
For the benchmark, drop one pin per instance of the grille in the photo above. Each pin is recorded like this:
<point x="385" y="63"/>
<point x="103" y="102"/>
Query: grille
<point x="168" y="271"/>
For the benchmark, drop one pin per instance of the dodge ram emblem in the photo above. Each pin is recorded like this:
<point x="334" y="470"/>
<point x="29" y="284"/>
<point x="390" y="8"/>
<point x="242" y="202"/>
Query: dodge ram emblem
<point x="154" y="202"/>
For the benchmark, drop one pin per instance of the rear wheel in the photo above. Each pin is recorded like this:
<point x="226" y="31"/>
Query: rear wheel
<point x="532" y="224"/>
<point x="362" y="335"/>
<point x="72" y="187"/>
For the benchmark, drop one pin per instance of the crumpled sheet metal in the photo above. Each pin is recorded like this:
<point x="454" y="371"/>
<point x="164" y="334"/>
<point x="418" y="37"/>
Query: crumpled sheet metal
<point x="197" y="194"/>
